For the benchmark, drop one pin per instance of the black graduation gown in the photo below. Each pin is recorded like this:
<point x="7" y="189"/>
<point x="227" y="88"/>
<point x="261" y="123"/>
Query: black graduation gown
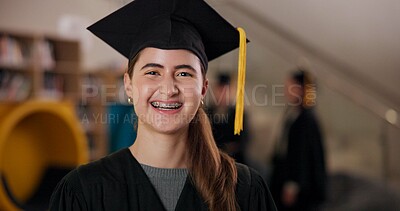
<point x="304" y="163"/>
<point x="118" y="182"/>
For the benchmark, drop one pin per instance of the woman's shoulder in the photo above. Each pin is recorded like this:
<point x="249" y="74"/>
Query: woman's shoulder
<point x="247" y="176"/>
<point x="252" y="191"/>
<point x="84" y="185"/>
<point x="110" y="167"/>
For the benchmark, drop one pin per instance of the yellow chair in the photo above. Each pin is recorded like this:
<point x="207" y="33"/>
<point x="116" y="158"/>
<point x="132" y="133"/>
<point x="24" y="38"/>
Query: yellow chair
<point x="34" y="137"/>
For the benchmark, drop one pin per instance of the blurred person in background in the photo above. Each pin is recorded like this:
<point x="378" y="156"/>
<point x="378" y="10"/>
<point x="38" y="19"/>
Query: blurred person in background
<point x="298" y="180"/>
<point x="222" y="116"/>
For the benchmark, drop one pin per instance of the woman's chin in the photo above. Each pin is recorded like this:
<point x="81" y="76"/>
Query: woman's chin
<point x="169" y="128"/>
<point x="168" y="125"/>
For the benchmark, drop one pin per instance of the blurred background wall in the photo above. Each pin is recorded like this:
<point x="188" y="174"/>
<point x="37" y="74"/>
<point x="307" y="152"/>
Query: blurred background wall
<point x="352" y="47"/>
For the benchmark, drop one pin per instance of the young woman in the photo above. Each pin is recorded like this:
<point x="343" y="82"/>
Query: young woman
<point x="174" y="163"/>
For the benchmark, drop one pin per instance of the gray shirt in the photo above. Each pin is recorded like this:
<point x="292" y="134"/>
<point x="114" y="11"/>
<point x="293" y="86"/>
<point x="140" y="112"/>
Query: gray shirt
<point x="168" y="184"/>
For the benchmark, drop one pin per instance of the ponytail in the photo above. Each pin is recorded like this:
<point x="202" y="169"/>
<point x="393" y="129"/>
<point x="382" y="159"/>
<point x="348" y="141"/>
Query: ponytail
<point x="212" y="171"/>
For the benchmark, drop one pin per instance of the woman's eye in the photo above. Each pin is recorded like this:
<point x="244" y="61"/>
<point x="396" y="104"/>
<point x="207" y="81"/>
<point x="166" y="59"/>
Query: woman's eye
<point x="151" y="73"/>
<point x="184" y="74"/>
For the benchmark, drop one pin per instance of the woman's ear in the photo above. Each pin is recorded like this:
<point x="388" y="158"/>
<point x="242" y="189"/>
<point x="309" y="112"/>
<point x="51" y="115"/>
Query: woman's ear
<point x="128" y="85"/>
<point x="205" y="88"/>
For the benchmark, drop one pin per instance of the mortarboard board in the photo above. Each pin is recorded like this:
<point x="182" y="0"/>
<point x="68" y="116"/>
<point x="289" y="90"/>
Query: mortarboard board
<point x="168" y="24"/>
<point x="174" y="24"/>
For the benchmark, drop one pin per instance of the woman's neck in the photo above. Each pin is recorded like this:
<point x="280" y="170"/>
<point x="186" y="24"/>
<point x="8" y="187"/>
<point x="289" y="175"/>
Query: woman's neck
<point x="161" y="150"/>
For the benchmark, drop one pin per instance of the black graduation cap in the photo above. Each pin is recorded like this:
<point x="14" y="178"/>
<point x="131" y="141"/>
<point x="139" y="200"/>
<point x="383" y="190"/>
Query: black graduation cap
<point x="175" y="24"/>
<point x="168" y="24"/>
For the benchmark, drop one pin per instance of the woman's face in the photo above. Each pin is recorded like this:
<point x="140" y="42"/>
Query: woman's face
<point x="293" y="92"/>
<point x="167" y="87"/>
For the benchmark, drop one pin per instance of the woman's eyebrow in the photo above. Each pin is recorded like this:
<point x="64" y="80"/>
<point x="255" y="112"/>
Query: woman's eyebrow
<point x="185" y="66"/>
<point x="152" y="65"/>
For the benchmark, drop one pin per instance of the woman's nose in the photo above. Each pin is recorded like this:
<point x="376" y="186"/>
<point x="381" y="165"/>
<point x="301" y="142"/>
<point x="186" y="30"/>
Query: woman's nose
<point x="168" y="87"/>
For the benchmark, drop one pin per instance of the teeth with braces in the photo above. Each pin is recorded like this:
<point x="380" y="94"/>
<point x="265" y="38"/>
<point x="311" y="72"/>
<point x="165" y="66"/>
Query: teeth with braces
<point x="166" y="105"/>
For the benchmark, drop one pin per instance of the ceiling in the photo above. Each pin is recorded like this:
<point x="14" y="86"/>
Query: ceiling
<point x="351" y="45"/>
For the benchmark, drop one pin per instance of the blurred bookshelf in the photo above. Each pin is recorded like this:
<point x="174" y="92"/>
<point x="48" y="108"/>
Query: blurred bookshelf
<point x="38" y="67"/>
<point x="48" y="68"/>
<point x="100" y="89"/>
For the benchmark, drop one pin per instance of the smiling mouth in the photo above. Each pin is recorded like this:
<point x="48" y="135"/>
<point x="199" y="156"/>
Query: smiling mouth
<point x="166" y="106"/>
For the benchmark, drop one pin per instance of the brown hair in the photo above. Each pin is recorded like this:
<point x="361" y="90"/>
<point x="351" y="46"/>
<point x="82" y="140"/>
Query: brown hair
<point x="305" y="80"/>
<point x="213" y="172"/>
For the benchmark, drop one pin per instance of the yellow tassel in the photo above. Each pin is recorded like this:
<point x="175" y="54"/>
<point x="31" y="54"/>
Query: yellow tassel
<point x="240" y="82"/>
